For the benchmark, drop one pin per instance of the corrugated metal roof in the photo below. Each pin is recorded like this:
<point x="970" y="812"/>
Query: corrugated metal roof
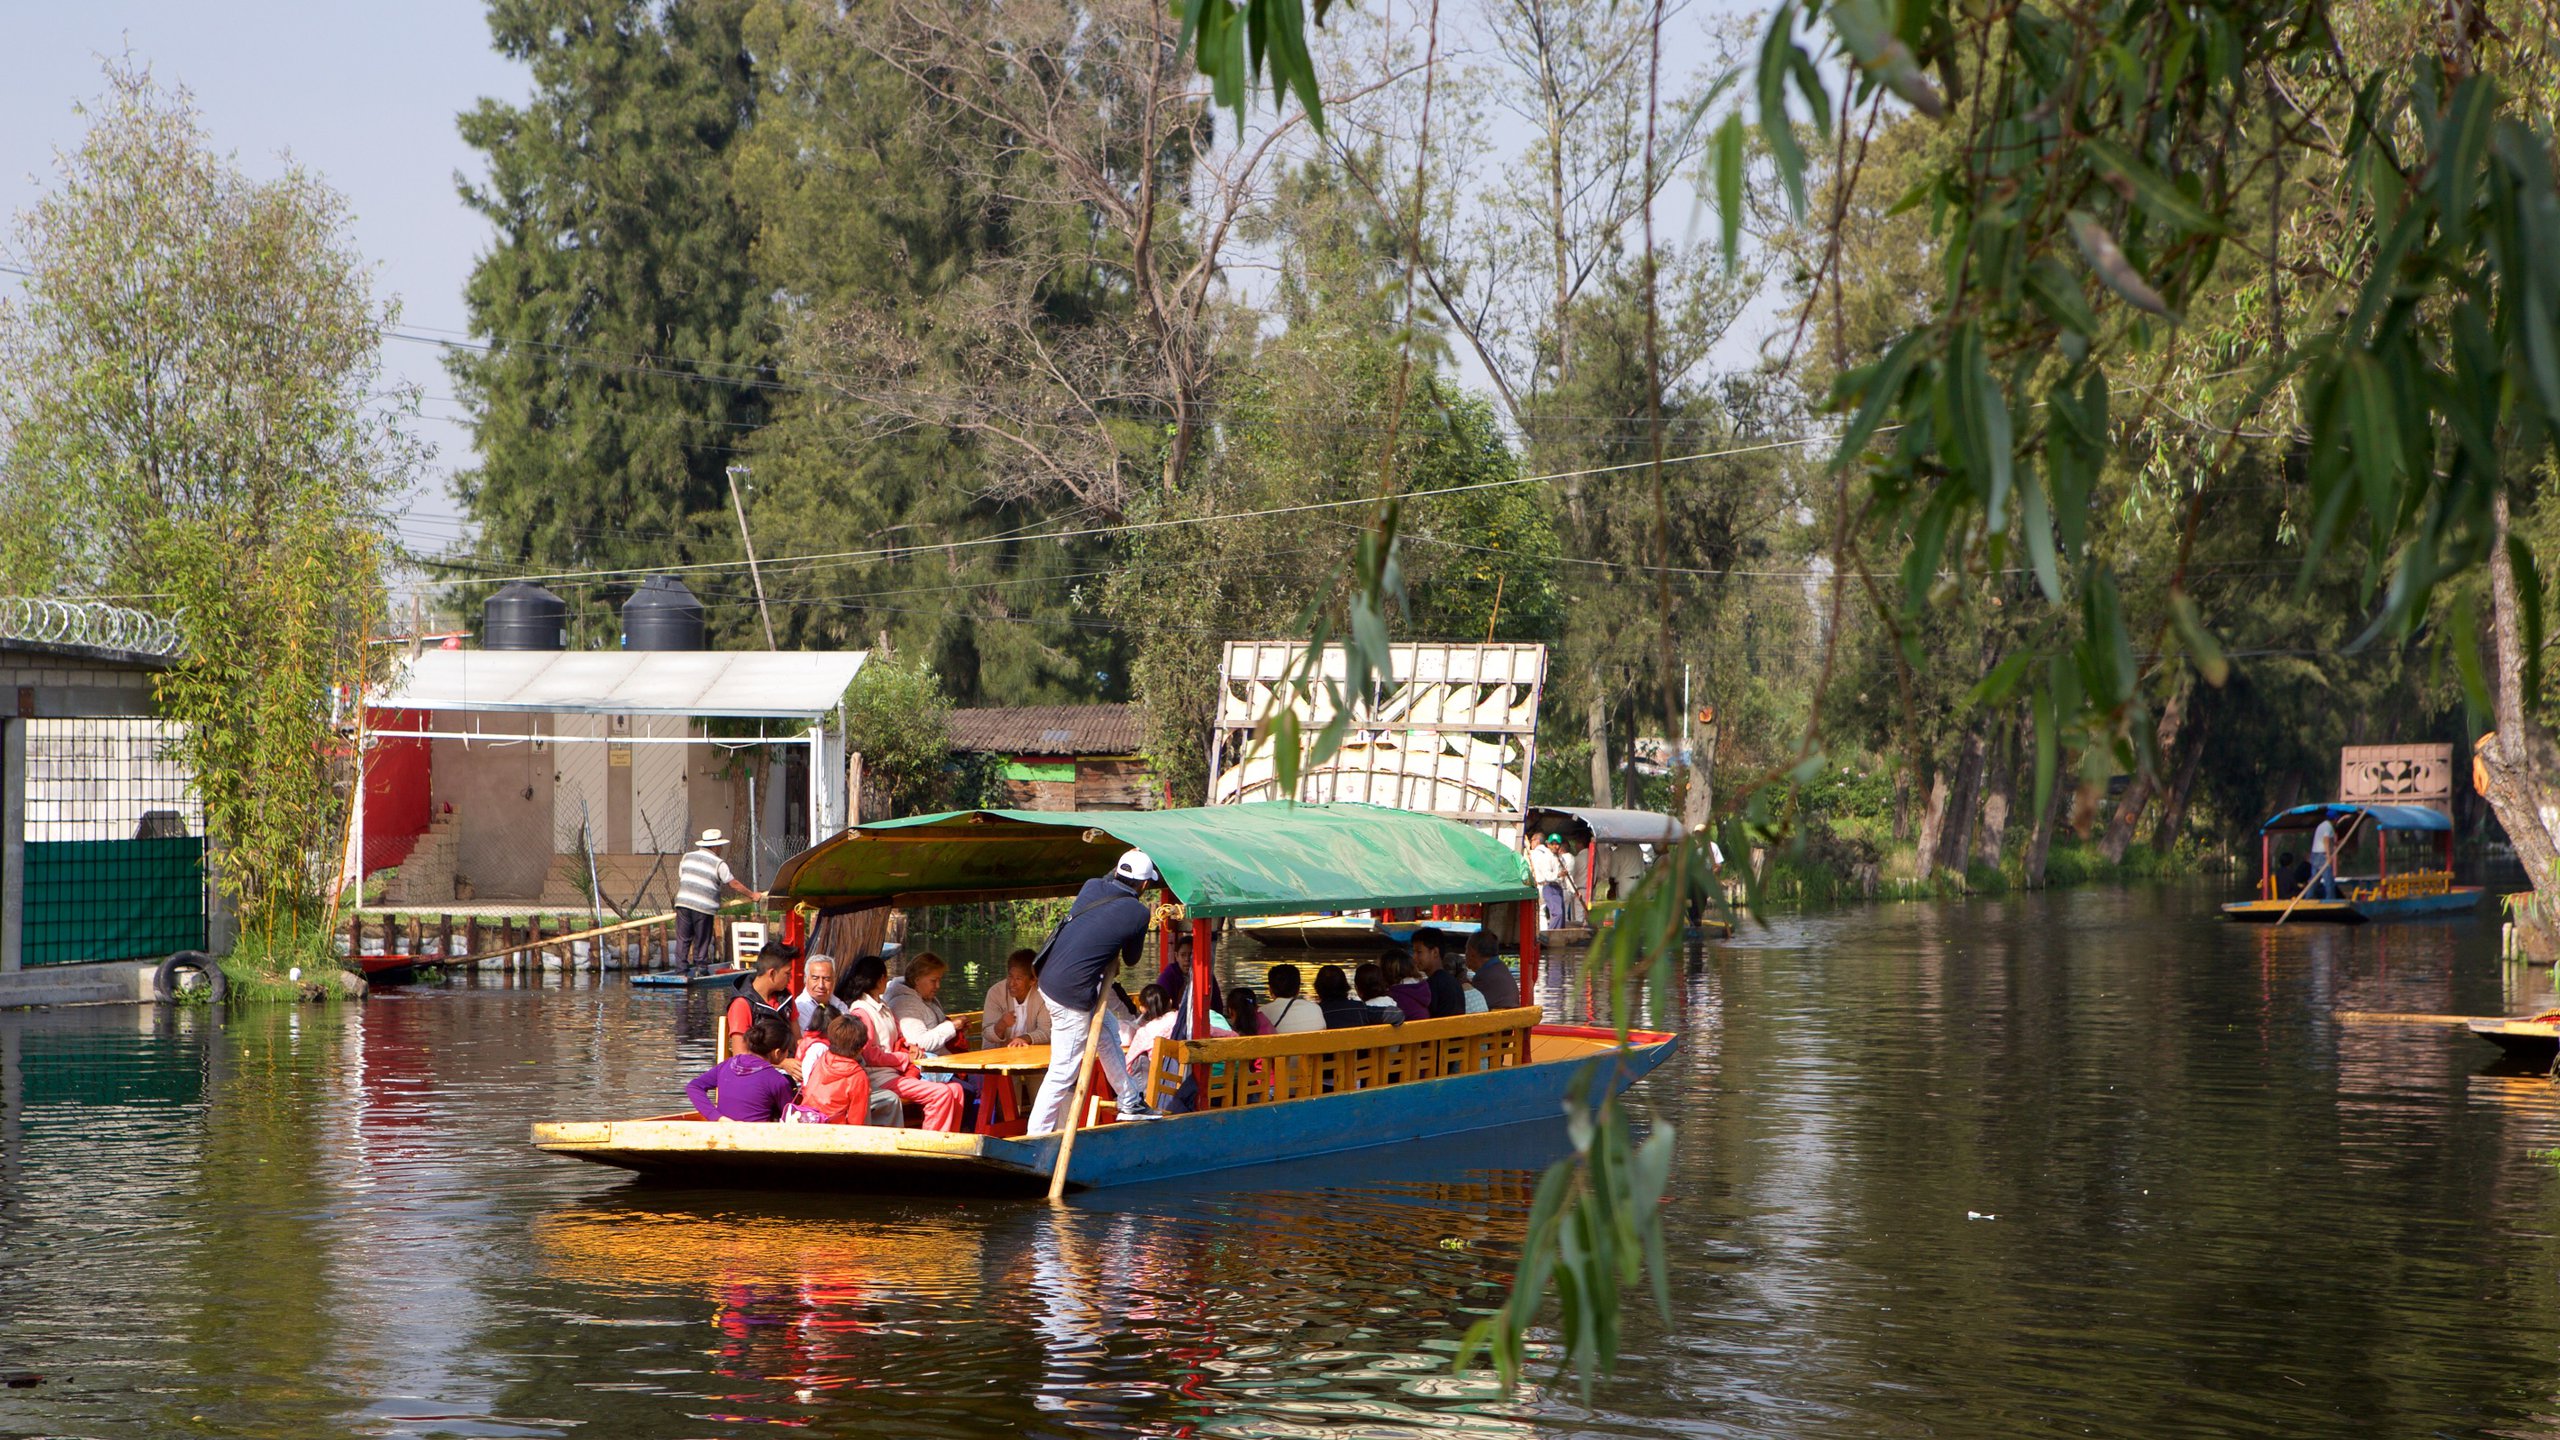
<point x="797" y="684"/>
<point x="1049" y="730"/>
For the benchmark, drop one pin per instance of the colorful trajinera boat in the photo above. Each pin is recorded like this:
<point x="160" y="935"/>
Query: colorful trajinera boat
<point x="1263" y="1099"/>
<point x="2416" y="891"/>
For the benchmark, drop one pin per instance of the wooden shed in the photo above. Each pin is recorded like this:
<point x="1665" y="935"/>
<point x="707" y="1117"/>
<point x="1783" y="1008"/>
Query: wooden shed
<point x="1063" y="757"/>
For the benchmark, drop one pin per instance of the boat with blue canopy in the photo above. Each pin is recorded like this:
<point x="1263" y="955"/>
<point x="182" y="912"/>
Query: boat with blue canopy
<point x="1260" y="1098"/>
<point x="2422" y="886"/>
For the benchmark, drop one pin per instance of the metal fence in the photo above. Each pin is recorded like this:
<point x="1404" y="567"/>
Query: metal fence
<point x="114" y="844"/>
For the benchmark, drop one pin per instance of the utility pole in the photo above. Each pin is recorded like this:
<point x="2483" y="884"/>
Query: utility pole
<point x="749" y="541"/>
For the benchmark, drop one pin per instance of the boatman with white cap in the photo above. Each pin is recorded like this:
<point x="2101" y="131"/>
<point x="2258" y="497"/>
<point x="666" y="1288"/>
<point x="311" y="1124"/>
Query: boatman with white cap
<point x="1106" y="928"/>
<point x="700" y="881"/>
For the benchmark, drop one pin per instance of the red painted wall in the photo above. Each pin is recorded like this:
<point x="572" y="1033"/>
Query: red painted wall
<point x="396" y="794"/>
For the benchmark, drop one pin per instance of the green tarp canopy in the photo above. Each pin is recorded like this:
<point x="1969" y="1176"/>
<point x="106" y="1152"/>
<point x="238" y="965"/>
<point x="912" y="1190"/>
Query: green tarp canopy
<point x="1227" y="860"/>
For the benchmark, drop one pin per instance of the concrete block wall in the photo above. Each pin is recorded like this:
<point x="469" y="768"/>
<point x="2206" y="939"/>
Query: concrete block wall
<point x="48" y="685"/>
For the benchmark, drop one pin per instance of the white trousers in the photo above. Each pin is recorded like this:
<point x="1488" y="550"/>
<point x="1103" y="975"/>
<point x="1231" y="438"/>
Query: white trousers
<point x="1067" y="1032"/>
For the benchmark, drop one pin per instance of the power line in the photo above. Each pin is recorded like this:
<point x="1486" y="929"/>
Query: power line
<point x="1132" y="527"/>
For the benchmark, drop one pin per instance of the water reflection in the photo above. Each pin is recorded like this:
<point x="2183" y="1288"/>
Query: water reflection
<point x="2221" y="1210"/>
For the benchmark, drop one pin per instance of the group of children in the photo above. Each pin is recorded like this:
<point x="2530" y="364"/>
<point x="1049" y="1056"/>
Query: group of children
<point x="840" y="1051"/>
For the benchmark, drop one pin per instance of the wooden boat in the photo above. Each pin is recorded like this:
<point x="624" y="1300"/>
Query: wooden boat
<point x="1356" y="931"/>
<point x="1260" y="1099"/>
<point x="2535" y="1039"/>
<point x="1222" y="1135"/>
<point x="679" y="980"/>
<point x="2410" y="894"/>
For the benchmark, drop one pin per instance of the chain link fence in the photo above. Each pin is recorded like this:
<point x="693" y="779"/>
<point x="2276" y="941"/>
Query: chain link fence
<point x="114" y="844"/>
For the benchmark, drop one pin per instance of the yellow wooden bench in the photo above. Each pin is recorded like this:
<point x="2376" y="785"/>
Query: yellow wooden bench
<point x="1322" y="1062"/>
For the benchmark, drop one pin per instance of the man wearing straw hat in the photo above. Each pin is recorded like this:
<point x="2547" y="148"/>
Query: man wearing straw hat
<point x="700" y="881"/>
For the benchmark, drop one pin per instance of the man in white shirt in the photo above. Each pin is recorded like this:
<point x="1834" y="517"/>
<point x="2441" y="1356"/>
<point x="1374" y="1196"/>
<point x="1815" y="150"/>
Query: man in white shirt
<point x="2324" y="862"/>
<point x="1546" y="868"/>
<point x="702" y="878"/>
<point x="1013" y="1013"/>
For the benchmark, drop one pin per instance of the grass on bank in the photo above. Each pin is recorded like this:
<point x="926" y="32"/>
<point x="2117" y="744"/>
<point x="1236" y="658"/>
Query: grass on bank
<point x="263" y="960"/>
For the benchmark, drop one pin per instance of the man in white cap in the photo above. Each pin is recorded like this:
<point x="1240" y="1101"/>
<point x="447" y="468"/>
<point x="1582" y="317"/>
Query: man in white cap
<point x="1106" y="928"/>
<point x="700" y="881"/>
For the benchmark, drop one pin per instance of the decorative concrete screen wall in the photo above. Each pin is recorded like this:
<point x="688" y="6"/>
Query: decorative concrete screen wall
<point x="2397" y="775"/>
<point x="1454" y="734"/>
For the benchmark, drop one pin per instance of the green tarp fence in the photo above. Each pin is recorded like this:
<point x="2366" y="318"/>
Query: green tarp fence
<point x="112" y="900"/>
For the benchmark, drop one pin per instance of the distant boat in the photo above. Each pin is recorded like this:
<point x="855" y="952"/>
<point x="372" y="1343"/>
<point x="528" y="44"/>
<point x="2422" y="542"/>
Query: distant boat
<point x="2534" y="1039"/>
<point x="2411" y="894"/>
<point x="1354" y="930"/>
<point x="679" y="980"/>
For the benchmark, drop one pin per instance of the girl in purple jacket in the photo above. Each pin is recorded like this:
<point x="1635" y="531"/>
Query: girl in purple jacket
<point x="751" y="1085"/>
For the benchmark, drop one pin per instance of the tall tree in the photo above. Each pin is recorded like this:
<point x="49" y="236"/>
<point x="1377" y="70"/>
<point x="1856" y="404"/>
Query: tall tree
<point x="194" y="398"/>
<point x="623" y="341"/>
<point x="878" y="209"/>
<point x="1302" y="427"/>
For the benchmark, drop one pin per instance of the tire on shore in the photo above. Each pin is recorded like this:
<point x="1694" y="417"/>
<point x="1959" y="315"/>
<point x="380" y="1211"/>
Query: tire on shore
<point x="173" y="976"/>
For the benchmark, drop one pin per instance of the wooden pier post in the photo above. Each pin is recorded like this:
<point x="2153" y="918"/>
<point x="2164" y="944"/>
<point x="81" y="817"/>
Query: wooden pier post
<point x="471" y="940"/>
<point x="444" y="937"/>
<point x="355" y="939"/>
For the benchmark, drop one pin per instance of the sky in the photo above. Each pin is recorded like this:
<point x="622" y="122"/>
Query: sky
<point x="365" y="94"/>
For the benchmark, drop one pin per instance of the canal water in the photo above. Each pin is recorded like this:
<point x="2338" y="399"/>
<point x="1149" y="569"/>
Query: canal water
<point x="2077" y="1164"/>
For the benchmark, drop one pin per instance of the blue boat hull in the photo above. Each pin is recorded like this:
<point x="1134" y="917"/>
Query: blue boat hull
<point x="684" y="1149"/>
<point x="2461" y="900"/>
<point x="1325" y="1125"/>
<point x="2411" y="907"/>
<point x="678" y="980"/>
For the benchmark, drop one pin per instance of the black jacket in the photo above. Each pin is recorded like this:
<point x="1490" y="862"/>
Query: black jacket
<point x="1107" y="920"/>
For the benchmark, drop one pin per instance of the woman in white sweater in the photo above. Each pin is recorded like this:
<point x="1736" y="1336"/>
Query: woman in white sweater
<point x="916" y="1000"/>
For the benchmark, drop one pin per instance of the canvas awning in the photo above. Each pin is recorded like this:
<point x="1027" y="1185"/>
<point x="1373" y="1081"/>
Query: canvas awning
<point x="747" y="684"/>
<point x="2386" y="817"/>
<point x="1219" y="861"/>
<point x="1608" y="827"/>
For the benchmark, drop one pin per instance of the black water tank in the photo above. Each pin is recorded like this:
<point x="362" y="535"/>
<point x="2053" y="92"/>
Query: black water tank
<point x="662" y="615"/>
<point x="524" y="617"/>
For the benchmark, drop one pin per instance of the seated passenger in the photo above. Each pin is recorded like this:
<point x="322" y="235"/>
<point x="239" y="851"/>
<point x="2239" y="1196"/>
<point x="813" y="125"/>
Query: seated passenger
<point x="2295" y="874"/>
<point x="916" y="1000"/>
<point x="1341" y="1012"/>
<point x="816" y="1002"/>
<point x="1488" y="976"/>
<point x="891" y="1068"/>
<point x="1014" y="1013"/>
<point x="1161" y="1017"/>
<point x="749" y="1086"/>
<point x="834" y="1082"/>
<point x="1243" y="1017"/>
<point x="764" y="996"/>
<point x="1287" y="1012"/>
<point x="1404" y="989"/>
<point x="1437" y="969"/>
<point x="1155" y="1021"/>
